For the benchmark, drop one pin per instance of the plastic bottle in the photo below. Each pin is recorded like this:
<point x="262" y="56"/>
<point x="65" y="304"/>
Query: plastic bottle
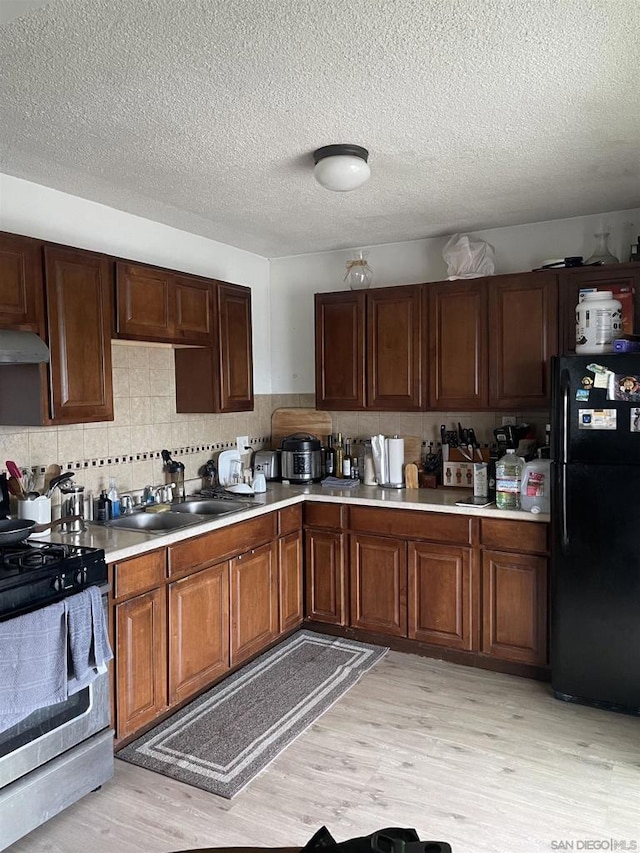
<point x="509" y="480"/>
<point x="598" y="322"/>
<point x="114" y="497"/>
<point x="103" y="508"/>
<point x="534" y="492"/>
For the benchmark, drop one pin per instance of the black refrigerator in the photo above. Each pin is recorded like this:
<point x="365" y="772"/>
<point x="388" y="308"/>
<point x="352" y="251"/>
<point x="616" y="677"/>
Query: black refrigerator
<point x="595" y="530"/>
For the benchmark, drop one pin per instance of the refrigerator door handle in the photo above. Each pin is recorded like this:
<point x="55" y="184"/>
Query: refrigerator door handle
<point x="563" y="497"/>
<point x="566" y="387"/>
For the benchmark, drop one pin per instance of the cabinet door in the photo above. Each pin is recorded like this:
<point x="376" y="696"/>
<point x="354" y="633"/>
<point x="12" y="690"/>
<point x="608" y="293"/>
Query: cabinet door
<point x="254" y="602"/>
<point x="378" y="581"/>
<point x="325" y="582"/>
<point x="198" y="631"/>
<point x="290" y="581"/>
<point x="514" y="606"/>
<point x="21" y="292"/>
<point x="235" y="358"/>
<point x="571" y="281"/>
<point x="78" y="293"/>
<point x="458" y="351"/>
<point x="523" y="334"/>
<point x="440" y="595"/>
<point x="340" y="350"/>
<point x="396" y="349"/>
<point x="140" y="661"/>
<point x="143" y="300"/>
<point x="192" y="310"/>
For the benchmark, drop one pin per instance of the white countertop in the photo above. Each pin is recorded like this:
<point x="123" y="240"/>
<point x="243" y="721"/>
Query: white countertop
<point x="120" y="544"/>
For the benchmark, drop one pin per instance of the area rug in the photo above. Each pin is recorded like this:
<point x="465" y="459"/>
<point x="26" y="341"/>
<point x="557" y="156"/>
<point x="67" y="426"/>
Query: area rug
<point x="224" y="738"/>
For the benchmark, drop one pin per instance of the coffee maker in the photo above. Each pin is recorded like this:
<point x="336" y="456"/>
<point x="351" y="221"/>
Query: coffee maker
<point x="515" y="437"/>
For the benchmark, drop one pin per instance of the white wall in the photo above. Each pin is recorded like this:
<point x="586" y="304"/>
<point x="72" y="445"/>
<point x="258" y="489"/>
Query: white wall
<point x="37" y="211"/>
<point x="294" y="280"/>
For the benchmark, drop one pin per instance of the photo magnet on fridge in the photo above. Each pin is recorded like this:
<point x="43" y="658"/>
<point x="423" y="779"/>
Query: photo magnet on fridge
<point x="634" y="426"/>
<point x="597" y="419"/>
<point x="624" y="388"/>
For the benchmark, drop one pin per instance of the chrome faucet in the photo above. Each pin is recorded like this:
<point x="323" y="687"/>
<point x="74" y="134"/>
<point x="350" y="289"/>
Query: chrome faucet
<point x="126" y="504"/>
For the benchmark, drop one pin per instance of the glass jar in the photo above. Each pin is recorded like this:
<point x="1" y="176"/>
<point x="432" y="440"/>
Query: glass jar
<point x="602" y="255"/>
<point x="359" y="274"/>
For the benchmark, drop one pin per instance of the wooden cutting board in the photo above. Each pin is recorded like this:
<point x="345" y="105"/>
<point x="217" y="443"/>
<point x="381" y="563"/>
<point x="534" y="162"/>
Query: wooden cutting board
<point x="288" y="421"/>
<point x="412" y="448"/>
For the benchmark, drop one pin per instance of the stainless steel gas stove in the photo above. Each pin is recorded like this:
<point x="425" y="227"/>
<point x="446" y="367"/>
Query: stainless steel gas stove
<point x="62" y="751"/>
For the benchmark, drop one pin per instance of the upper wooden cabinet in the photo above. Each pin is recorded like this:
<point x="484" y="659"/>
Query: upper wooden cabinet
<point x="523" y="335"/>
<point x="220" y="378"/>
<point x="161" y="305"/>
<point x="79" y="335"/>
<point x="572" y="280"/>
<point x="396" y="366"/>
<point x="21" y="291"/>
<point x="340" y="350"/>
<point x="371" y="349"/>
<point x="458" y="352"/>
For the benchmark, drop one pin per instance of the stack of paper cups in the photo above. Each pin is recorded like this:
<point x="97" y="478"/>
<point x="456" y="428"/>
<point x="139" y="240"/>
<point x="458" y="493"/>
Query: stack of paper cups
<point x="395" y="457"/>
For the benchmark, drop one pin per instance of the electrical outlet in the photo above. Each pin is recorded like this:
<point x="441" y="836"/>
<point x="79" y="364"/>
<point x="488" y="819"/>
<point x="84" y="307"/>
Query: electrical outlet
<point x="242" y="441"/>
<point x="508" y="420"/>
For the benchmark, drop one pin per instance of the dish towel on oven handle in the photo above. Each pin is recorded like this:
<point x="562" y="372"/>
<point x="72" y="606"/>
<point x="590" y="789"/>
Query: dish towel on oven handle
<point x="88" y="642"/>
<point x="33" y="663"/>
<point x="50" y="654"/>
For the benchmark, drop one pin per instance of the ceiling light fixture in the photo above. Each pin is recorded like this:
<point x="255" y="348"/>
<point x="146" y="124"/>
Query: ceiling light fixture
<point x="341" y="168"/>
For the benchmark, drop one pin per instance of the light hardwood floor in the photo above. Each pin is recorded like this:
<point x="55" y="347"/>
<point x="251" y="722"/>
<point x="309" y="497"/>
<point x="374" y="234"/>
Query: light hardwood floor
<point x="488" y="762"/>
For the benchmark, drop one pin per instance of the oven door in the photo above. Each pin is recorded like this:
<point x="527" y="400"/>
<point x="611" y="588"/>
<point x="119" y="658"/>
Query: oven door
<point x="53" y="730"/>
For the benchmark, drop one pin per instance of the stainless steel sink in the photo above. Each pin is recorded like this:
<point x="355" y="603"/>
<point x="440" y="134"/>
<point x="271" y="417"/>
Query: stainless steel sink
<point x="209" y="506"/>
<point x="153" y="522"/>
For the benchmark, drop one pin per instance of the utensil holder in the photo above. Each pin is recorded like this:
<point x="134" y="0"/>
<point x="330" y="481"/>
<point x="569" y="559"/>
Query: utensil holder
<point x="38" y="510"/>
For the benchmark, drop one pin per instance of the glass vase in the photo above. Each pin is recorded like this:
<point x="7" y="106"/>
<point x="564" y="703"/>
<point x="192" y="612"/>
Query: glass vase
<point x="359" y="274"/>
<point x="602" y="255"/>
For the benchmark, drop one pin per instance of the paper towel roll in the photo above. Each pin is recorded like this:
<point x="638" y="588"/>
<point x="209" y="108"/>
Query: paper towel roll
<point x="395" y="456"/>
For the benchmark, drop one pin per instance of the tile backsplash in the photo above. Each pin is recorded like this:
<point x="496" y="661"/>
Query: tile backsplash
<point x="128" y="448"/>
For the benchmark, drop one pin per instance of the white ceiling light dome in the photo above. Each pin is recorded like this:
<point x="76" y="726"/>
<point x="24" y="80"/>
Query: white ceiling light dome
<point x="341" y="168"/>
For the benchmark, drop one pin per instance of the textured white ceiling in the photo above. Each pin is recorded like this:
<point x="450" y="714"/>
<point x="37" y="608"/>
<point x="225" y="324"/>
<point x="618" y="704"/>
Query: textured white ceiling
<point x="204" y="114"/>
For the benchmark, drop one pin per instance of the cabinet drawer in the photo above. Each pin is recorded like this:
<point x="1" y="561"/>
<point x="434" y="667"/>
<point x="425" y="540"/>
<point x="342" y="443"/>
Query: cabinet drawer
<point x="434" y="526"/>
<point x="324" y="515"/>
<point x="193" y="554"/>
<point x="514" y="535"/>
<point x="139" y="574"/>
<point x="289" y="520"/>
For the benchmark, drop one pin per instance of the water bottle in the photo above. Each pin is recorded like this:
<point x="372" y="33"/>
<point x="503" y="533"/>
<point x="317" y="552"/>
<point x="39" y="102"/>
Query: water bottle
<point x="509" y="480"/>
<point x="114" y="497"/>
<point x="534" y="495"/>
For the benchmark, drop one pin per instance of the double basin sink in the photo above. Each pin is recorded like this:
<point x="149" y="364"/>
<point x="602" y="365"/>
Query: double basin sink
<point x="179" y="515"/>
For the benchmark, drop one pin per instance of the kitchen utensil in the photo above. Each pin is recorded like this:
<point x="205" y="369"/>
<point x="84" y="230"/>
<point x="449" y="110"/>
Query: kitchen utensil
<point x="51" y="471"/>
<point x="13" y="469"/>
<point x="287" y="421"/>
<point x="16" y="489"/>
<point x="17" y="530"/>
<point x="73" y="507"/>
<point x="57" y="481"/>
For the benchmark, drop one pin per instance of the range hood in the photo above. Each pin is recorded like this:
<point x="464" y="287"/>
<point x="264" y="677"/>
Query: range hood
<point x="18" y="347"/>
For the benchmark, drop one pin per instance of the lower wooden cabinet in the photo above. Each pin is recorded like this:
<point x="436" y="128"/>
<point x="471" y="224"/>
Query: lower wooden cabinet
<point x="254" y="601"/>
<point x="291" y="606"/>
<point x="514" y="606"/>
<point x="198" y="630"/>
<point x="140" y="660"/>
<point x="440" y="595"/>
<point x="325" y="580"/>
<point x="378" y="584"/>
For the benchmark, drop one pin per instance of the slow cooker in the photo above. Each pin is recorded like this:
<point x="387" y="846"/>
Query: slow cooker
<point x="301" y="458"/>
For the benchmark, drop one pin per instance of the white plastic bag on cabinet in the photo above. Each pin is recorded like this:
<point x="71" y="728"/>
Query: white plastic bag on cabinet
<point x="468" y="258"/>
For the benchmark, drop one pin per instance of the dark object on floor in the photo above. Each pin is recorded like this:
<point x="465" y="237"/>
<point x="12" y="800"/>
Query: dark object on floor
<point x="390" y="840"/>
